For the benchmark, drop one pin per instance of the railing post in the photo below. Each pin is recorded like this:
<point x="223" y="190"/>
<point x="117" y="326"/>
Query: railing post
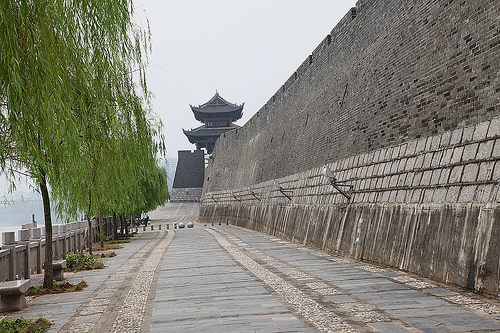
<point x="9" y="243"/>
<point x="24" y="239"/>
<point x="36" y="235"/>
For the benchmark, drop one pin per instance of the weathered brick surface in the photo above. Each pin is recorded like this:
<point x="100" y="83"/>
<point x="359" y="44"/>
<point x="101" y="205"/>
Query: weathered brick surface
<point x="402" y="102"/>
<point x="398" y="71"/>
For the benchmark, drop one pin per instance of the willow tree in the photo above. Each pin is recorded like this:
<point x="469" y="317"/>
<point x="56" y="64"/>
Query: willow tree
<point x="116" y="159"/>
<point x="59" y="62"/>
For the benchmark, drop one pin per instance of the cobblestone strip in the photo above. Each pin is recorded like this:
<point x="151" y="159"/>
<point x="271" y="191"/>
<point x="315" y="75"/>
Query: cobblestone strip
<point x="95" y="306"/>
<point x="323" y="319"/>
<point x="131" y="315"/>
<point x="178" y="209"/>
<point x="357" y="312"/>
<point x="489" y="309"/>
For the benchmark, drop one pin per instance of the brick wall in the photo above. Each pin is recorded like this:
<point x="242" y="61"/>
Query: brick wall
<point x="402" y="101"/>
<point x="398" y="71"/>
<point x="190" y="194"/>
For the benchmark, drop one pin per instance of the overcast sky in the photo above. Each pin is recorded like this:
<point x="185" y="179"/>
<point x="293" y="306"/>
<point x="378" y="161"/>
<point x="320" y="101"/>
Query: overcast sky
<point x="244" y="49"/>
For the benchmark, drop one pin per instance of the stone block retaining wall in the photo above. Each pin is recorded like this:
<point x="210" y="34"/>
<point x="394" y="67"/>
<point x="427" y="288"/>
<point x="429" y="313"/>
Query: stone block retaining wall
<point x="191" y="194"/>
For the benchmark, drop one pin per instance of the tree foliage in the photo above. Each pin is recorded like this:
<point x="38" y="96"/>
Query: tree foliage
<point x="74" y="112"/>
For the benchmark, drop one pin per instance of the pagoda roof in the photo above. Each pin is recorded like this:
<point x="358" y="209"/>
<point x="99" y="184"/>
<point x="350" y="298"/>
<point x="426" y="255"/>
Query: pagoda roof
<point x="217" y="107"/>
<point x="203" y="133"/>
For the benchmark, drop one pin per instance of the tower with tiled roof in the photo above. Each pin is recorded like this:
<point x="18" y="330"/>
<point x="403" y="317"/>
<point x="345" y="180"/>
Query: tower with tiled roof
<point x="217" y="116"/>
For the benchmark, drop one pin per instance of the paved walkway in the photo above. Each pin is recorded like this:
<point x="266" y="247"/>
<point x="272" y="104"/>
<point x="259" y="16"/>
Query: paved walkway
<point x="226" y="279"/>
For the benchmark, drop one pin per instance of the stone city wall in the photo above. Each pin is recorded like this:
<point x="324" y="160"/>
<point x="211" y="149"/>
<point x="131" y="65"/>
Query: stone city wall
<point x="429" y="206"/>
<point x="397" y="71"/>
<point x="402" y="101"/>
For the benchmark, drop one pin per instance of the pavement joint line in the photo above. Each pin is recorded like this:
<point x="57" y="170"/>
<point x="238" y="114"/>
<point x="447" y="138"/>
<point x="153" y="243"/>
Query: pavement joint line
<point x="222" y="316"/>
<point x="358" y="314"/>
<point x="316" y="314"/>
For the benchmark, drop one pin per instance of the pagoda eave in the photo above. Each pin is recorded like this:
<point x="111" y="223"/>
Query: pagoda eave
<point x="201" y="114"/>
<point x="204" y="134"/>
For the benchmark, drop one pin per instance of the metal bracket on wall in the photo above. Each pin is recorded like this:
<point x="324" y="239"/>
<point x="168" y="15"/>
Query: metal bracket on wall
<point x="253" y="193"/>
<point x="327" y="172"/>
<point x="282" y="191"/>
<point x="234" y="196"/>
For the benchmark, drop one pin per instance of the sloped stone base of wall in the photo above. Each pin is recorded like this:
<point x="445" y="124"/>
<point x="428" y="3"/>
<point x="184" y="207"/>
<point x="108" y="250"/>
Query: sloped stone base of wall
<point x="456" y="244"/>
<point x="192" y="194"/>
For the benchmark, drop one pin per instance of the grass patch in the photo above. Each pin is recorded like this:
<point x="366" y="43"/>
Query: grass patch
<point x="22" y="325"/>
<point x="59" y="287"/>
<point x="88" y="262"/>
<point x="112" y="244"/>
<point x="119" y="241"/>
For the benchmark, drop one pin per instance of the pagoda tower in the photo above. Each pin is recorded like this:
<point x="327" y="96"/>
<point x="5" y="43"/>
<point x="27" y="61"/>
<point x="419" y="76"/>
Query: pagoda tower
<point x="217" y="116"/>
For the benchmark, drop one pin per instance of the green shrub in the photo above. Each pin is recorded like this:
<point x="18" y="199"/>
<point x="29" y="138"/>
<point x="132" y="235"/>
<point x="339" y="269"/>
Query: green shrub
<point x="21" y="325"/>
<point x="88" y="262"/>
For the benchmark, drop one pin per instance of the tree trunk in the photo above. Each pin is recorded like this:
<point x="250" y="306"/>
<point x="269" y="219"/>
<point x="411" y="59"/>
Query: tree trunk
<point x="89" y="240"/>
<point x="48" y="277"/>
<point x="80" y="256"/>
<point x="115" y="236"/>
<point x="101" y="225"/>
<point x="121" y="225"/>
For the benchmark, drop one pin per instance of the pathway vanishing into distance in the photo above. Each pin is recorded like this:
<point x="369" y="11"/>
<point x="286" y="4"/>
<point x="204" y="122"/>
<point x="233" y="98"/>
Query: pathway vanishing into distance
<point x="226" y="279"/>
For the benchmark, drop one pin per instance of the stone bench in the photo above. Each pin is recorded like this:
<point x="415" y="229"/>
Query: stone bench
<point x="58" y="267"/>
<point x="12" y="296"/>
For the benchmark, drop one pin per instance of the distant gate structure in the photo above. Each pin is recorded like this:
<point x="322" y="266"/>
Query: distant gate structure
<point x="217" y="116"/>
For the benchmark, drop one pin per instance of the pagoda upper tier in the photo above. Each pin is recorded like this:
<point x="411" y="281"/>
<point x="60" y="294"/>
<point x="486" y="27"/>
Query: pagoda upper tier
<point x="217" y="108"/>
<point x="217" y="116"/>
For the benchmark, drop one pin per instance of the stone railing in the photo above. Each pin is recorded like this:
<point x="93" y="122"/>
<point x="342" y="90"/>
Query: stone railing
<point x="19" y="259"/>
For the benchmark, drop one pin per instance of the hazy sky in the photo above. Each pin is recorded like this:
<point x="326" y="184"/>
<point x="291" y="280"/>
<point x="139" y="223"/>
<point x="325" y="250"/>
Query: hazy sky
<point x="244" y="49"/>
